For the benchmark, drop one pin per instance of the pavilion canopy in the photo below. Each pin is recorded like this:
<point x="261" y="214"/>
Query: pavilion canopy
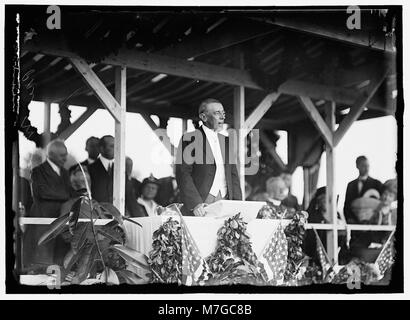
<point x="181" y="57"/>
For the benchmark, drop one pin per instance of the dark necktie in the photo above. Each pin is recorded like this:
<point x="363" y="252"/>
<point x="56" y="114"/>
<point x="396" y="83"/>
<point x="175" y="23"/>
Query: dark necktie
<point x="110" y="169"/>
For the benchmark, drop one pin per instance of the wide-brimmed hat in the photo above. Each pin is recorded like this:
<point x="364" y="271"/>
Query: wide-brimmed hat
<point x="150" y="179"/>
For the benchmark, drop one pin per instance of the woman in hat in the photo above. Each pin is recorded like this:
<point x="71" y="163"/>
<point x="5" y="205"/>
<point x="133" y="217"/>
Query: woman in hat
<point x="147" y="207"/>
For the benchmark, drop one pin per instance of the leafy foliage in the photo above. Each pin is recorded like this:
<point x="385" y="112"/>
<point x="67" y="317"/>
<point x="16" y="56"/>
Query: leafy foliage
<point x="234" y="260"/>
<point x="165" y="259"/>
<point x="96" y="250"/>
<point x="295" y="234"/>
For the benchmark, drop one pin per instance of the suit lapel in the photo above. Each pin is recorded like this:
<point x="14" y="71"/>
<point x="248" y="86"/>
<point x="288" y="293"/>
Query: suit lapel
<point x="50" y="170"/>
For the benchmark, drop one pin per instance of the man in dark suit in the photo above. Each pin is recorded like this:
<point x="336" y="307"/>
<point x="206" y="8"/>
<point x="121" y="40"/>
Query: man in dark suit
<point x="210" y="173"/>
<point x="93" y="150"/>
<point x="51" y="188"/>
<point x="357" y="187"/>
<point x="101" y="171"/>
<point x="101" y="174"/>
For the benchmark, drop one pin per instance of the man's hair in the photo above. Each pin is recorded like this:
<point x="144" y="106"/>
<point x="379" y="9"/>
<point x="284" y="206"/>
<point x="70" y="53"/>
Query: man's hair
<point x="90" y="139"/>
<point x="52" y="145"/>
<point x="101" y="142"/>
<point x="202" y="106"/>
<point x="360" y="159"/>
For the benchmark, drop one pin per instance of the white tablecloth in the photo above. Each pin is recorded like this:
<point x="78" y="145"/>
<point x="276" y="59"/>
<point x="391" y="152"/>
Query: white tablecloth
<point x="203" y="230"/>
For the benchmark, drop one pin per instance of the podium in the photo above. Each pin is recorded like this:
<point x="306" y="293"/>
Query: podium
<point x="204" y="229"/>
<point x="226" y="208"/>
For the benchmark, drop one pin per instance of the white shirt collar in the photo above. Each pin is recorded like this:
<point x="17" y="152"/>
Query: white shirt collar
<point x="275" y="202"/>
<point x="209" y="131"/>
<point x="149" y="205"/>
<point x="54" y="166"/>
<point x="105" y="162"/>
<point x="363" y="178"/>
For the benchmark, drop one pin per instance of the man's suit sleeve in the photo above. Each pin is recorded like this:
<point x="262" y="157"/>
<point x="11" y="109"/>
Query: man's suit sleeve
<point x="42" y="190"/>
<point x="347" y="206"/>
<point x="236" y="185"/>
<point x="183" y="172"/>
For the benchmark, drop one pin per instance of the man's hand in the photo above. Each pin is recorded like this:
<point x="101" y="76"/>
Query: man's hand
<point x="199" y="210"/>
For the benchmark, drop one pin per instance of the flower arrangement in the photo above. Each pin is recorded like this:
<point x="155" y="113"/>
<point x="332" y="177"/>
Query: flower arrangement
<point x="165" y="258"/>
<point x="234" y="260"/>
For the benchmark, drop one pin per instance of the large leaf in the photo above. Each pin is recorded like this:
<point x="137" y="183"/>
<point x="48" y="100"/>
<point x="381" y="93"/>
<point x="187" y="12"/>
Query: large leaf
<point x="130" y="277"/>
<point x="74" y="214"/>
<point x="66" y="206"/>
<point x="132" y="256"/>
<point x="132" y="221"/>
<point x="109" y="277"/>
<point x="81" y="235"/>
<point x="110" y="235"/>
<point x="111" y="211"/>
<point x="85" y="263"/>
<point x="56" y="227"/>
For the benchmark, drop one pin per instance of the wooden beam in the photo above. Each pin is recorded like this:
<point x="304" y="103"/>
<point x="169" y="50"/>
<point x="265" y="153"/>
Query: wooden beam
<point x="272" y="150"/>
<point x="332" y="243"/>
<point x="355" y="37"/>
<point x="47" y="123"/>
<point x="158" y="64"/>
<point x="119" y="146"/>
<point x="74" y="126"/>
<point x="98" y="87"/>
<point x="260" y="111"/>
<point x="165" y="140"/>
<point x="317" y="119"/>
<point x="357" y="109"/>
<point x="227" y="35"/>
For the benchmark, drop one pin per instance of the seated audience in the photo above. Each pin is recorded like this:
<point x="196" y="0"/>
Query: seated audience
<point x="146" y="205"/>
<point x="318" y="214"/>
<point x="366" y="245"/>
<point x="275" y="194"/>
<point x="290" y="201"/>
<point x="51" y="188"/>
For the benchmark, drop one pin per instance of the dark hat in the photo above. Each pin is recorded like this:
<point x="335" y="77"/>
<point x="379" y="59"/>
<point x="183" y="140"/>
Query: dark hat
<point x="150" y="179"/>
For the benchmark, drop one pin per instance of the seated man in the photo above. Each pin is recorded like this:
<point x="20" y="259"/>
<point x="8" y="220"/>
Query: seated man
<point x="146" y="206"/>
<point x="51" y="188"/>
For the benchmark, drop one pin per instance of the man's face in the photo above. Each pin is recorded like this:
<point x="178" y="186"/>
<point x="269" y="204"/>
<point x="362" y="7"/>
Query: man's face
<point x="59" y="156"/>
<point x="387" y="197"/>
<point x="107" y="151"/>
<point x="92" y="149"/>
<point x="150" y="191"/>
<point x="214" y="116"/>
<point x="363" y="167"/>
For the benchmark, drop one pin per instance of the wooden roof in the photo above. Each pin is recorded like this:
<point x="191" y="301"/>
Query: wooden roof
<point x="272" y="52"/>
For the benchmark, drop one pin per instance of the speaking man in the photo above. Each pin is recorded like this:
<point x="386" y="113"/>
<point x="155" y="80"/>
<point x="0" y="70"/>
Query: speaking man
<point x="206" y="171"/>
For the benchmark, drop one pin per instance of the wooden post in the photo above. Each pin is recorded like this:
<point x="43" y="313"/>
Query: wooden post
<point x="119" y="153"/>
<point x="46" y="122"/>
<point x="332" y="245"/>
<point x="306" y="191"/>
<point x="239" y="122"/>
<point x="184" y="125"/>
